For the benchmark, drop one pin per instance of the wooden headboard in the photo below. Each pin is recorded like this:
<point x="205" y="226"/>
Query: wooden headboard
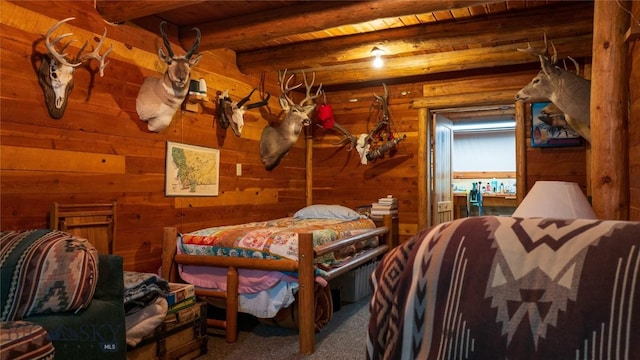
<point x="94" y="222"/>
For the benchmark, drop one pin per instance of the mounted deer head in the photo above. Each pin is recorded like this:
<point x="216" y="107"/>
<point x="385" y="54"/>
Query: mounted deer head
<point x="568" y="91"/>
<point x="275" y="142"/>
<point x="232" y="113"/>
<point x="159" y="98"/>
<point x="56" y="70"/>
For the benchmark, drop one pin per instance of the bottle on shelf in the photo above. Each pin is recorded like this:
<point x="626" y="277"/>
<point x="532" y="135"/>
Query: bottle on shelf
<point x="473" y="194"/>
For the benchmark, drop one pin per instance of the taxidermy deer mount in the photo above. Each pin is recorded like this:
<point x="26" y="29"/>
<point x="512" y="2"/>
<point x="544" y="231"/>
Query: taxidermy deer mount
<point x="232" y="113"/>
<point x="159" y="98"/>
<point x="275" y="142"/>
<point x="568" y="91"/>
<point x="56" y="70"/>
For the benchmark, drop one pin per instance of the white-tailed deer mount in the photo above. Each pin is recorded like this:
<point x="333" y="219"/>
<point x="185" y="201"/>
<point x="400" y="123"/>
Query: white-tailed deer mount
<point x="568" y="91"/>
<point x="275" y="142"/>
<point x="232" y="113"/>
<point x="56" y="69"/>
<point x="159" y="98"/>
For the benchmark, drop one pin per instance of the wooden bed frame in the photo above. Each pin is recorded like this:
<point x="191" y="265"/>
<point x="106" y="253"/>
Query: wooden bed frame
<point x="304" y="267"/>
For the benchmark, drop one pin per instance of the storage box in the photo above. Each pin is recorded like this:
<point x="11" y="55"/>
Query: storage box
<point x="354" y="285"/>
<point x="179" y="292"/>
<point x="181" y="336"/>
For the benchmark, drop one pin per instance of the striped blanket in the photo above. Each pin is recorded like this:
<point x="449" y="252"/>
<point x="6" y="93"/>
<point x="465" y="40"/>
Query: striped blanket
<point x="510" y="288"/>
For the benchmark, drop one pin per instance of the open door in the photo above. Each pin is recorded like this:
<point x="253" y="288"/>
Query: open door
<point x="441" y="155"/>
<point x="426" y="172"/>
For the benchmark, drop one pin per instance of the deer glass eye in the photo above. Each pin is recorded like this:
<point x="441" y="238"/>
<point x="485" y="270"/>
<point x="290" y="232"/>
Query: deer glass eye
<point x="536" y="81"/>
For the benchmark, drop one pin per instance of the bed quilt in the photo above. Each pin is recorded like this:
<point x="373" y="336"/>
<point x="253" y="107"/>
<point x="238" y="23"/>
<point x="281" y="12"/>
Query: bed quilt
<point x="510" y="288"/>
<point x="274" y="239"/>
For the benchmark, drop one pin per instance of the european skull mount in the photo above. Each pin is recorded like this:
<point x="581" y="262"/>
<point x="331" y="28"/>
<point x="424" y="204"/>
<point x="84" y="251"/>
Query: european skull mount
<point x="56" y="69"/>
<point x="232" y="113"/>
<point x="159" y="98"/>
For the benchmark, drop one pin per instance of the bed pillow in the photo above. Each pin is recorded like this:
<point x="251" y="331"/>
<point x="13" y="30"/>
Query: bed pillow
<point x="326" y="212"/>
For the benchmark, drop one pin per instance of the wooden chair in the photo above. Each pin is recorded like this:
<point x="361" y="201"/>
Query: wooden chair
<point x="95" y="222"/>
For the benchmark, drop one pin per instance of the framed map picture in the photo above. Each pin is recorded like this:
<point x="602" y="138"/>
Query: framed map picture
<point x="551" y="130"/>
<point x="191" y="170"/>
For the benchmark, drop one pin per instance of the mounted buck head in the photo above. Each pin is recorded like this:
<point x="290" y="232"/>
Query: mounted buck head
<point x="568" y="91"/>
<point x="275" y="142"/>
<point x="56" y="70"/>
<point x="159" y="98"/>
<point x="232" y="113"/>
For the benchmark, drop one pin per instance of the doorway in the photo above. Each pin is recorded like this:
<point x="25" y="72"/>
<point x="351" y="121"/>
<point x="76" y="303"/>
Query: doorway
<point x="428" y="182"/>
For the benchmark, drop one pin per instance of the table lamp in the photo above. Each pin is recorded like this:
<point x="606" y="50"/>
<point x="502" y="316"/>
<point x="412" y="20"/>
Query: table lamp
<point x="555" y="199"/>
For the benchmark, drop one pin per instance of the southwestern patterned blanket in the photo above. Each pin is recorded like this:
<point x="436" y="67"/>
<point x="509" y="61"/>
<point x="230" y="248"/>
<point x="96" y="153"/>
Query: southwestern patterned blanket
<point x="510" y="288"/>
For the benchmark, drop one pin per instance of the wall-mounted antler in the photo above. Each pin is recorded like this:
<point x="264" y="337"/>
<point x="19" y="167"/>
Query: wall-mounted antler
<point x="232" y="113"/>
<point x="56" y="70"/>
<point x="367" y="153"/>
<point x="542" y="53"/>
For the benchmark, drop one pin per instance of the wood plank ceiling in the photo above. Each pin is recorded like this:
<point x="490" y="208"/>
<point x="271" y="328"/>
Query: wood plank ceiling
<point x="420" y="39"/>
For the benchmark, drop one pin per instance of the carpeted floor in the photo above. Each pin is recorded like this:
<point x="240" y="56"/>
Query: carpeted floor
<point x="343" y="338"/>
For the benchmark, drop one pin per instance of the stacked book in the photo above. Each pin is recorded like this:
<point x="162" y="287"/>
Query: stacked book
<point x="385" y="206"/>
<point x="180" y="296"/>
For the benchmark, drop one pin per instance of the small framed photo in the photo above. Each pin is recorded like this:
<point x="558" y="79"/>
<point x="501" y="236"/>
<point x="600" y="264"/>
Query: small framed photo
<point x="191" y="170"/>
<point x="551" y="130"/>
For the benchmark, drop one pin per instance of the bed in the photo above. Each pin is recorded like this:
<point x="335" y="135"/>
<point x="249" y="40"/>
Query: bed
<point x="495" y="287"/>
<point x="284" y="245"/>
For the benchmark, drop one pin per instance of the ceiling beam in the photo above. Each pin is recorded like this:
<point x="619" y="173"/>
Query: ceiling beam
<point x="566" y="20"/>
<point x="117" y="11"/>
<point x="308" y="17"/>
<point x="476" y="58"/>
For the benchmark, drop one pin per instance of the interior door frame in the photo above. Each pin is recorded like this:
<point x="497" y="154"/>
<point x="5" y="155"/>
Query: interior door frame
<point x="428" y="104"/>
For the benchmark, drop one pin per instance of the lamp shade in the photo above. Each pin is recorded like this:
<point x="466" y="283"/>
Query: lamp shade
<point x="555" y="199"/>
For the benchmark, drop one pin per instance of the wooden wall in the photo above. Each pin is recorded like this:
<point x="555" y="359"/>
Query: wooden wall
<point x="100" y="151"/>
<point x="634" y="114"/>
<point x="339" y="177"/>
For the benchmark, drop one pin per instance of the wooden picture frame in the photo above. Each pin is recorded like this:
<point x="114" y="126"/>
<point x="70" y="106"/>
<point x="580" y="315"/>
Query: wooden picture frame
<point x="545" y="131"/>
<point x="191" y="170"/>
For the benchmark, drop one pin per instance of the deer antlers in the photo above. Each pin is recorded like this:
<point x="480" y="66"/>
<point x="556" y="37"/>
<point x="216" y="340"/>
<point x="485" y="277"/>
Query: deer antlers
<point x="285" y="88"/>
<point x="79" y="59"/>
<point x="542" y="54"/>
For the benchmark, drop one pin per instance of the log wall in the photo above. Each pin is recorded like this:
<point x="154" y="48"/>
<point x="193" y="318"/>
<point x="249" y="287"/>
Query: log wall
<point x="634" y="113"/>
<point x="340" y="177"/>
<point x="100" y="151"/>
